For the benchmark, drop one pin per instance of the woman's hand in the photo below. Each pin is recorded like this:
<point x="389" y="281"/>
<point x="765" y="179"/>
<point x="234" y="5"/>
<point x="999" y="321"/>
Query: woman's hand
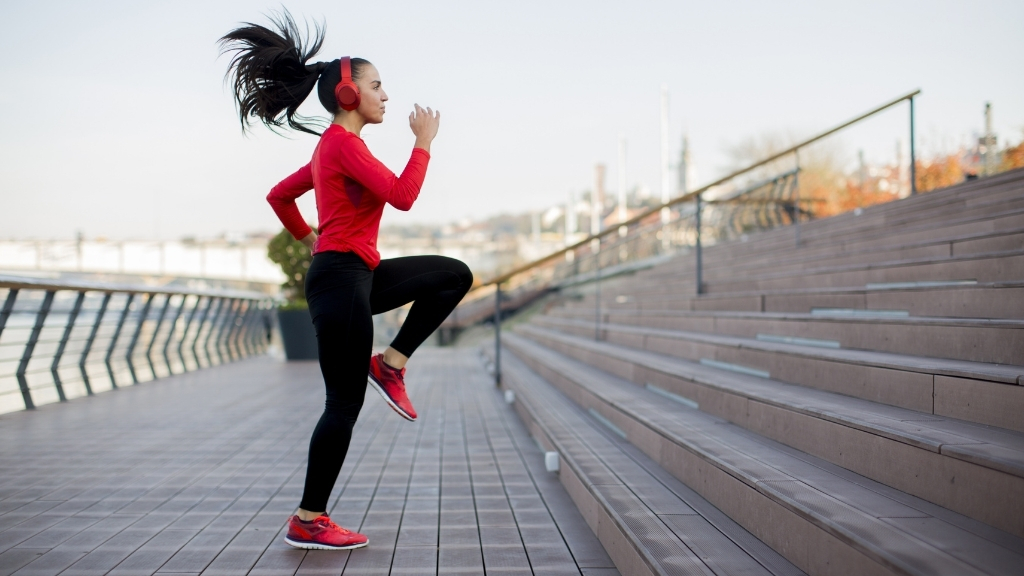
<point x="309" y="240"/>
<point x="424" y="125"/>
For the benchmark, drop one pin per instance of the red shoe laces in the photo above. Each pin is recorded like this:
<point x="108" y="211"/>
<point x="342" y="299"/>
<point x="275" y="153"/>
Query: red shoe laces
<point x="326" y="522"/>
<point x="401" y="373"/>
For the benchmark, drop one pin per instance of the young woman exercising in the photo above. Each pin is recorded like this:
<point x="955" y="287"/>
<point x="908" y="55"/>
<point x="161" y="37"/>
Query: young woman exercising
<point x="347" y="282"/>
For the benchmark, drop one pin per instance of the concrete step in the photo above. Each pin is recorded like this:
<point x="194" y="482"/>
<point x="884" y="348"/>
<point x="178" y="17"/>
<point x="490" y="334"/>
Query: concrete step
<point x="960" y="218"/>
<point x="997" y="216"/>
<point x="901" y="448"/>
<point x="648" y="521"/>
<point x="953" y="300"/>
<point x="1000" y="231"/>
<point x="970" y="339"/>
<point x="885" y="218"/>
<point x="772" y="266"/>
<point x="823" y="518"/>
<point x="933" y="240"/>
<point x="798" y="260"/>
<point x="989" y="394"/>
<point x="934" y="205"/>
<point x="988" y="267"/>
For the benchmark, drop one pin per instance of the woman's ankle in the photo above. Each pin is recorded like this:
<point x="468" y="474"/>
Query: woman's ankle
<point x="306" y="515"/>
<point x="395" y="359"/>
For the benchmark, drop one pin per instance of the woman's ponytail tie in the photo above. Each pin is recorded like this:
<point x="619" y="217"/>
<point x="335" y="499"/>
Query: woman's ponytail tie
<point x="317" y="67"/>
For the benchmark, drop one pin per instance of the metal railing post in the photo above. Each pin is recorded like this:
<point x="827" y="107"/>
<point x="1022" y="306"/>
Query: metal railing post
<point x="170" y="333"/>
<point x="913" y="157"/>
<point x="796" y="196"/>
<point x="199" y="330"/>
<point x="184" y="333"/>
<point x="260" y="336"/>
<point x="250" y="327"/>
<point x="88" y="342"/>
<point x="238" y="339"/>
<point x="205" y="323"/>
<point x="597" y="291"/>
<point x="249" y="337"/>
<point x="256" y="328"/>
<point x="228" y="321"/>
<point x="113" y="339"/>
<point x="240" y="327"/>
<point x="33" y="338"/>
<point x="135" y="336"/>
<point x="212" y="325"/>
<point x="243" y="329"/>
<point x="231" y="344"/>
<point x="5" y="312"/>
<point x="700" y="254"/>
<point x="156" y="332"/>
<point x="226" y="327"/>
<point x="267" y="327"/>
<point x="223" y="345"/>
<point x="72" y="316"/>
<point x="497" y="334"/>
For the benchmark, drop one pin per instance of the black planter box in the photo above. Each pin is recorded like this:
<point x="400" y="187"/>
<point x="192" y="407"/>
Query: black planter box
<point x="298" y="334"/>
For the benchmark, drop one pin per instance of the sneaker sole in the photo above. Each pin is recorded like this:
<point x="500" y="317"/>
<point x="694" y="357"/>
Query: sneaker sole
<point x="380" y="390"/>
<point x="315" y="546"/>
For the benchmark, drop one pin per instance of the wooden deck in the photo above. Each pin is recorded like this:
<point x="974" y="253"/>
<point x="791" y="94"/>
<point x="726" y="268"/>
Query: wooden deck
<point x="197" y="474"/>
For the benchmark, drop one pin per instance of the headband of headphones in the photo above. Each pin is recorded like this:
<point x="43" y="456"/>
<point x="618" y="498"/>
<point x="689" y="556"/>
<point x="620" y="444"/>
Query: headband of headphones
<point x="347" y="93"/>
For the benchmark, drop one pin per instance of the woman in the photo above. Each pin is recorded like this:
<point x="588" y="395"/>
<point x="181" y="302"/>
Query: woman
<point x="347" y="282"/>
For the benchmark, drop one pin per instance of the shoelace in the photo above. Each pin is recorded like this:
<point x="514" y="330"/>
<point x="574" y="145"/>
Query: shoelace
<point x="326" y="522"/>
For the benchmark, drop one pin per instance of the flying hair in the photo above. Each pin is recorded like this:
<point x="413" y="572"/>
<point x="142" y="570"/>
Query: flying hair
<point x="269" y="75"/>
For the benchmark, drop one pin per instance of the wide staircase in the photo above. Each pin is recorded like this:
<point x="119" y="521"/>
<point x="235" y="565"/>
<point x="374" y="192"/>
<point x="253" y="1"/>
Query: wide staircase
<point x="846" y="400"/>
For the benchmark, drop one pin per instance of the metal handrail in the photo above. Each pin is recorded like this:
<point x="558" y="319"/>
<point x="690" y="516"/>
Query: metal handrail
<point x="165" y="331"/>
<point x="688" y="197"/>
<point x="8" y="281"/>
<point x="695" y="196"/>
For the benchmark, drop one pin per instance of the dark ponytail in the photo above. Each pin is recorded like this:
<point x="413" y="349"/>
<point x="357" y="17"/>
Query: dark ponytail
<point x="270" y="75"/>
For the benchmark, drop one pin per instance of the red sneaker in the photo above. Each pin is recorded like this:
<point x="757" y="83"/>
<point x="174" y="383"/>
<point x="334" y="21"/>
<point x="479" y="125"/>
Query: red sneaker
<point x="390" y="383"/>
<point x="322" y="534"/>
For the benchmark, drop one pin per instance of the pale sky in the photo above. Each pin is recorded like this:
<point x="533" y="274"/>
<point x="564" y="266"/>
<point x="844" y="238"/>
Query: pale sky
<point x="118" y="122"/>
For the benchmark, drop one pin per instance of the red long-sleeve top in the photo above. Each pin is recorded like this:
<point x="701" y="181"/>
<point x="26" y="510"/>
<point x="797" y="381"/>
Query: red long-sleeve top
<point x="351" y="189"/>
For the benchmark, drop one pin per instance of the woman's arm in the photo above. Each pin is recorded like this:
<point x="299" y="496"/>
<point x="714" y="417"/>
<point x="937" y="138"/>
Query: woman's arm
<point x="282" y="200"/>
<point x="399" y="191"/>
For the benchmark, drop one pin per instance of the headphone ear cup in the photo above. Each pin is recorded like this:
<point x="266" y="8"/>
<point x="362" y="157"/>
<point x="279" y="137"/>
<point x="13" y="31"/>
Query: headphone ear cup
<point x="347" y="95"/>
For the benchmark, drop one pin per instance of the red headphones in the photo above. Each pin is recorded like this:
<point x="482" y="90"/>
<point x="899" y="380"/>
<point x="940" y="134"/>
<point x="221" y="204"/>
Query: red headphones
<point x="346" y="92"/>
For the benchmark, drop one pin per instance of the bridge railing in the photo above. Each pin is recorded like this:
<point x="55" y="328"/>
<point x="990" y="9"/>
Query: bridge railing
<point x="60" y="340"/>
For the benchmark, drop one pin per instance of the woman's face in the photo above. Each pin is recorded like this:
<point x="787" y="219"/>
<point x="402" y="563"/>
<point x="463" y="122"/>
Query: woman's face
<point x="371" y="95"/>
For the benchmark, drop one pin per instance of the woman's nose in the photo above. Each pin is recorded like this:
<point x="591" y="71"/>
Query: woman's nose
<point x="383" y="96"/>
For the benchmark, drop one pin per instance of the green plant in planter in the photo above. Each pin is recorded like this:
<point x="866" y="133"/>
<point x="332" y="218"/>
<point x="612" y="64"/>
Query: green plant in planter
<point x="294" y="259"/>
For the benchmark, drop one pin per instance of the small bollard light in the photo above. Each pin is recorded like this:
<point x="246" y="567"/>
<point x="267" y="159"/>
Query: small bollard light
<point x="551" y="461"/>
<point x="510" y="396"/>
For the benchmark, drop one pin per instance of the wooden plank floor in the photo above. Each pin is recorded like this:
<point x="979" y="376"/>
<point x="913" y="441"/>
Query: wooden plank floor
<point x="197" y="474"/>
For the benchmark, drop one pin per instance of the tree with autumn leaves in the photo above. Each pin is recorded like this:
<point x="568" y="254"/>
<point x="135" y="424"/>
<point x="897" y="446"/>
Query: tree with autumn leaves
<point x="954" y="168"/>
<point x="830" y="188"/>
<point x="1013" y="157"/>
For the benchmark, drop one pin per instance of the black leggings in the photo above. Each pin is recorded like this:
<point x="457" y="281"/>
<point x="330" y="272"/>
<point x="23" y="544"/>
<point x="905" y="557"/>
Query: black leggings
<point x="343" y="295"/>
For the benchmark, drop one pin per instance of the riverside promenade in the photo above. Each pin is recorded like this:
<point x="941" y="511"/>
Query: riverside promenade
<point x="197" y="474"/>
